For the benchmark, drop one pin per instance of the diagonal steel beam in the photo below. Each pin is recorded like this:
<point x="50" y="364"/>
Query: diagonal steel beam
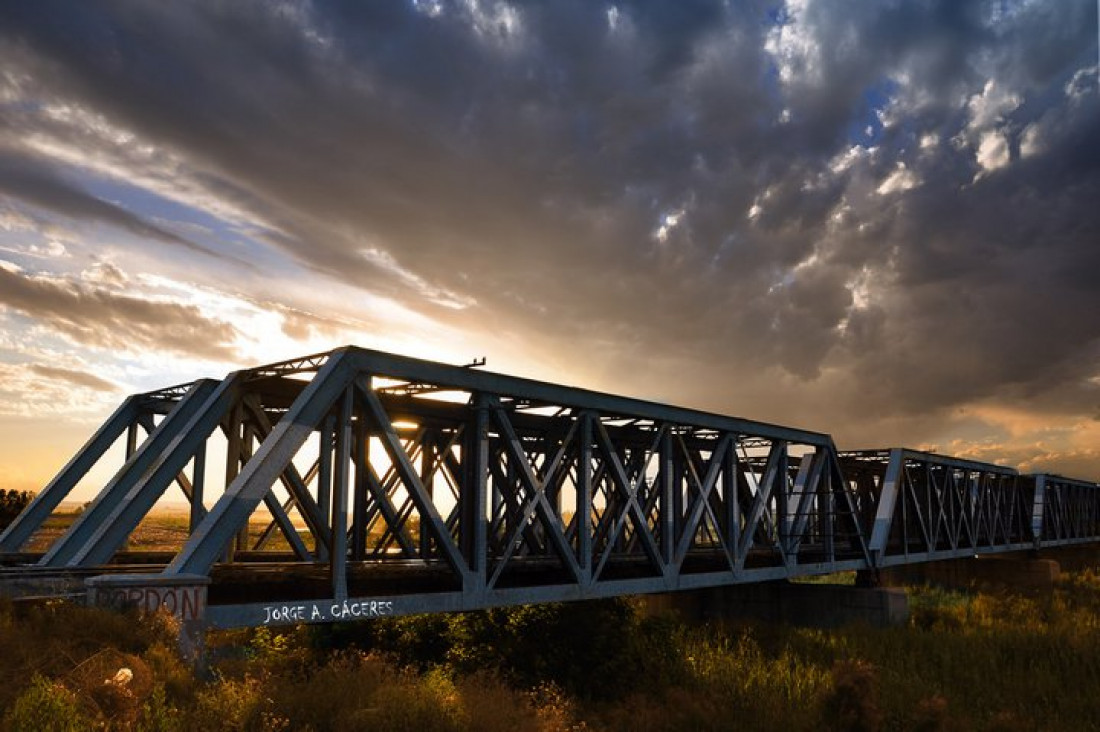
<point x="129" y="475"/>
<point x="630" y="490"/>
<point x="34" y="515"/>
<point x="270" y="461"/>
<point x="294" y="483"/>
<point x="704" y="487"/>
<point x="394" y="523"/>
<point x="538" y="502"/>
<point x="425" y="507"/>
<point x="110" y="534"/>
<point x="770" y="478"/>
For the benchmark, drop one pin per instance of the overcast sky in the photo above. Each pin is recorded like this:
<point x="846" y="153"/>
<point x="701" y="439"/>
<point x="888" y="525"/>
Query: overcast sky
<point x="875" y="219"/>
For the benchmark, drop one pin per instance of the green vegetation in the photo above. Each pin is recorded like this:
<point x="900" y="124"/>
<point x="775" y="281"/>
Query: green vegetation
<point x="12" y="502"/>
<point x="966" y="661"/>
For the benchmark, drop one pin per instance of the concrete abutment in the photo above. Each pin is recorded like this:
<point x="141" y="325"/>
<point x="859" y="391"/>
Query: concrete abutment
<point x="183" y="597"/>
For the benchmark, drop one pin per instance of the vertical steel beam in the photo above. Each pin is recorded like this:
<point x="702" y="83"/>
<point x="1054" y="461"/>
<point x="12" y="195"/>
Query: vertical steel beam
<point x="361" y="456"/>
<point x="235" y="425"/>
<point x="473" y="523"/>
<point x="732" y="529"/>
<point x="1038" y="510"/>
<point x="670" y="517"/>
<point x="324" y="480"/>
<point x="247" y="436"/>
<point x="887" y="500"/>
<point x="828" y="511"/>
<point x="198" y="484"/>
<point x="678" y="483"/>
<point x="584" y="506"/>
<point x="427" y="479"/>
<point x="131" y="439"/>
<point x="339" y="556"/>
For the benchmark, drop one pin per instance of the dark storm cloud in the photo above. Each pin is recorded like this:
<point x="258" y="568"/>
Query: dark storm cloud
<point x="105" y="319"/>
<point x="654" y="182"/>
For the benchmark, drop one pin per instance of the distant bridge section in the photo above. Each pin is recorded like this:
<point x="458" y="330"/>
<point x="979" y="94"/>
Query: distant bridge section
<point x="355" y="484"/>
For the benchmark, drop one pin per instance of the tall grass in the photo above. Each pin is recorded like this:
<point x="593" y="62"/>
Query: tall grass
<point x="965" y="662"/>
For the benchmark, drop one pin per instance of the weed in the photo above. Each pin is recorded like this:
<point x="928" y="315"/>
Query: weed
<point x="968" y="661"/>
<point x="851" y="703"/>
<point x="45" y="706"/>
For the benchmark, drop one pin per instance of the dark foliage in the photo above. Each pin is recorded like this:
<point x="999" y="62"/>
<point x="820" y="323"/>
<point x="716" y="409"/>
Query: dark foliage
<point x="592" y="650"/>
<point x="12" y="503"/>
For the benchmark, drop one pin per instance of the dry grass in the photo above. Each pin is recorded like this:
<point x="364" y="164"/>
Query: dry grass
<point x="164" y="529"/>
<point x="966" y="662"/>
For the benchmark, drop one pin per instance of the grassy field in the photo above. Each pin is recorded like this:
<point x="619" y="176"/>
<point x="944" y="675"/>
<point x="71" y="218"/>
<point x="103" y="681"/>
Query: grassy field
<point x="965" y="662"/>
<point x="163" y="529"/>
<point x="166" y="529"/>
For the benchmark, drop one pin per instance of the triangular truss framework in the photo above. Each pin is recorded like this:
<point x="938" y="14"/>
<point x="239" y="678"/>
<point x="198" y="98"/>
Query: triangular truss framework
<point x="509" y="490"/>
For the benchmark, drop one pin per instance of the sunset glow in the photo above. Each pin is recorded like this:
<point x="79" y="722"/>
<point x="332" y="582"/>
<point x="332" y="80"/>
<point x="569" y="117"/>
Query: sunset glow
<point x="876" y="220"/>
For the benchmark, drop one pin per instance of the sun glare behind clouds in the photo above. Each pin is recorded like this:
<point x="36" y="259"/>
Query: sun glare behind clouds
<point x="875" y="220"/>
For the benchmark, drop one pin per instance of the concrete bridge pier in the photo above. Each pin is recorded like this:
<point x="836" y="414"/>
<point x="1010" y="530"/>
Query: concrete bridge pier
<point x="182" y="597"/>
<point x="808" y="605"/>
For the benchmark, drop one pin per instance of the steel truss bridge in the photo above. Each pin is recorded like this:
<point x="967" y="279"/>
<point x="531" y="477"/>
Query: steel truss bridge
<point x="391" y="485"/>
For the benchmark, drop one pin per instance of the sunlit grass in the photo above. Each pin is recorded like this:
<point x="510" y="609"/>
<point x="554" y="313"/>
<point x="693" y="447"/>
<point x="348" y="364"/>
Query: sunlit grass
<point x="167" y="529"/>
<point x="966" y="661"/>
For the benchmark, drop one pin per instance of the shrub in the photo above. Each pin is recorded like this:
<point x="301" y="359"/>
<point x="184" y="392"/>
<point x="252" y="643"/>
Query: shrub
<point x="584" y="648"/>
<point x="46" y="706"/>
<point x="158" y="714"/>
<point x="12" y="503"/>
<point x="227" y="705"/>
<point x="852" y="702"/>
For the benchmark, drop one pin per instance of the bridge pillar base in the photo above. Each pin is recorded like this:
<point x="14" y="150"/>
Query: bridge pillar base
<point x="815" y="606"/>
<point x="1021" y="574"/>
<point x="183" y="597"/>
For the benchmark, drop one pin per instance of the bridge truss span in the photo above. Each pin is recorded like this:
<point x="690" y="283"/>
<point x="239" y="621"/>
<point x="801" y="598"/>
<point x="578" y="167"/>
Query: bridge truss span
<point x="383" y="484"/>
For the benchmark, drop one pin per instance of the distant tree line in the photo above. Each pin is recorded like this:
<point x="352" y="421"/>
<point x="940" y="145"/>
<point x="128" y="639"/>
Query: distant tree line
<point x="12" y="502"/>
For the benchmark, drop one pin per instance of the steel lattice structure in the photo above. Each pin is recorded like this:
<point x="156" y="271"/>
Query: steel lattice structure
<point x="396" y="485"/>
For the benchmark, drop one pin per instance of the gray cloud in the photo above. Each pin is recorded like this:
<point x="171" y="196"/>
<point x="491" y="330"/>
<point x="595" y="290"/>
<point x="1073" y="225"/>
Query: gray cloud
<point x="654" y="185"/>
<point x="76" y="378"/>
<point x="105" y="319"/>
